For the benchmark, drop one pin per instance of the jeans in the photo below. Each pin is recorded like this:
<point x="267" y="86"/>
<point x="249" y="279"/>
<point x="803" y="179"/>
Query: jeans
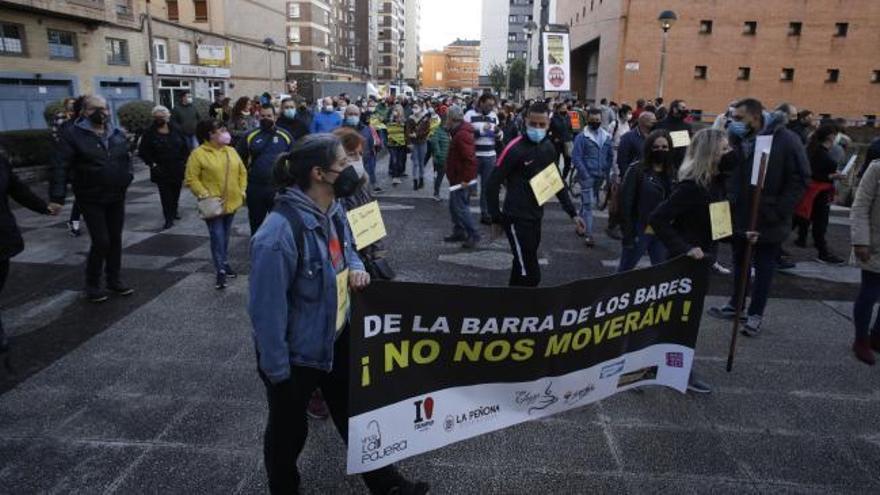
<point x="260" y="200"/>
<point x="370" y="166"/>
<point x="419" y="150"/>
<point x="764" y="257"/>
<point x="396" y="161"/>
<point x="169" y="194"/>
<point x="439" y="173"/>
<point x="287" y="426"/>
<point x="485" y="166"/>
<point x="219" y="230"/>
<point x="587" y="197"/>
<point x="4" y="272"/>
<point x="460" y="212"/>
<point x="105" y="222"/>
<point x="630" y="256"/>
<point x="524" y="237"/>
<point x="75" y="214"/>
<point x="863" y="309"/>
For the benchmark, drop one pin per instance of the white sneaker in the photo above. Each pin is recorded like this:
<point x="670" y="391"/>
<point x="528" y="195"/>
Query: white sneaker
<point x="721" y="269"/>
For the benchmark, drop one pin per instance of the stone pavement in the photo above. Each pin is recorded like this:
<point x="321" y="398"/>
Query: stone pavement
<point x="158" y="393"/>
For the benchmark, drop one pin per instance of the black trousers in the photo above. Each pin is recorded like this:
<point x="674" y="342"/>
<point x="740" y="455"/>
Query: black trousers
<point x="169" y="194"/>
<point x="819" y="221"/>
<point x="524" y="237"/>
<point x="105" y="222"/>
<point x="288" y="425"/>
<point x="260" y="200"/>
<point x="4" y="272"/>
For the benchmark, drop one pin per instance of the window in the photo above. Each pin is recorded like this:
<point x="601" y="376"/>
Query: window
<point x="513" y="19"/>
<point x="62" y="44"/>
<point x="295" y="58"/>
<point x="870" y="121"/>
<point x="160" y="47"/>
<point x="184" y="52"/>
<point x="750" y="28"/>
<point x="794" y="28"/>
<point x="11" y="39"/>
<point x="438" y="75"/>
<point x="787" y="74"/>
<point x="511" y="37"/>
<point x="833" y="75"/>
<point x="293" y="11"/>
<point x="744" y="73"/>
<point x="293" y="34"/>
<point x="511" y="55"/>
<point x="173" y="13"/>
<point x="700" y="72"/>
<point x="705" y="27"/>
<point x="123" y="8"/>
<point x="875" y="77"/>
<point x="201" y="8"/>
<point x="117" y="51"/>
<point x="841" y="28"/>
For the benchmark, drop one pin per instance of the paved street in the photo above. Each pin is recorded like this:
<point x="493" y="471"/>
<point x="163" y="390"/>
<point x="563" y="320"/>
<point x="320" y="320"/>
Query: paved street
<point x="158" y="393"/>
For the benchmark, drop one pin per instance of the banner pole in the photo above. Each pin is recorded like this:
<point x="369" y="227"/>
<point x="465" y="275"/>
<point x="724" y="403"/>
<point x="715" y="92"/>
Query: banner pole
<point x="746" y="265"/>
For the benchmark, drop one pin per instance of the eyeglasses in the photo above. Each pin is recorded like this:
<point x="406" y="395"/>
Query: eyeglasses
<point x="660" y="147"/>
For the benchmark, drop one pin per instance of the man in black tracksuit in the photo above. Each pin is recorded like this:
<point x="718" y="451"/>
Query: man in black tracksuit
<point x="522" y="159"/>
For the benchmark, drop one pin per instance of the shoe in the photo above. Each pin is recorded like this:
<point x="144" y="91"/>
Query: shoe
<point x="752" y="327"/>
<point x="698" y="386"/>
<point x="470" y="243"/>
<point x="726" y="312"/>
<point x="395" y="182"/>
<point x="720" y="269"/>
<point x="73" y="228"/>
<point x="120" y="289"/>
<point x="784" y="263"/>
<point x="96" y="295"/>
<point x="415" y="184"/>
<point x="613" y="233"/>
<point x="486" y="220"/>
<point x="230" y="273"/>
<point x="377" y="190"/>
<point x="168" y="225"/>
<point x="221" y="281"/>
<point x="454" y="238"/>
<point x="317" y="409"/>
<point x="589" y="241"/>
<point x="875" y="342"/>
<point x="829" y="259"/>
<point x="404" y="175"/>
<point x="437" y="198"/>
<point x="421" y="183"/>
<point x="862" y="350"/>
<point x="177" y="216"/>
<point x="801" y="243"/>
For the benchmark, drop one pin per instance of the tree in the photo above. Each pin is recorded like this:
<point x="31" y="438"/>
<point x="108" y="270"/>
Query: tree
<point x="517" y="75"/>
<point x="498" y="77"/>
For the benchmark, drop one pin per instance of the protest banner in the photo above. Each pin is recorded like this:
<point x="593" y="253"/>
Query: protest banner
<point x="432" y="364"/>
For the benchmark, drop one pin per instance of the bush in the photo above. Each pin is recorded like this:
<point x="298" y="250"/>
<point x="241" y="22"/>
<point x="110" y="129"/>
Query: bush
<point x="136" y="116"/>
<point x="50" y="111"/>
<point x="28" y="147"/>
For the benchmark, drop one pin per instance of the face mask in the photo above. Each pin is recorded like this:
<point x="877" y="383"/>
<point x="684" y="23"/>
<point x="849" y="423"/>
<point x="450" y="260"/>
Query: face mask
<point x="290" y="113"/>
<point x="660" y="156"/>
<point x="352" y="121"/>
<point x="359" y="167"/>
<point x="160" y="121"/>
<point x="738" y="129"/>
<point x="246" y="114"/>
<point x="594" y="125"/>
<point x="267" y="124"/>
<point x="536" y="135"/>
<point x="838" y="138"/>
<point x="417" y="109"/>
<point x="224" y="138"/>
<point x="371" y="109"/>
<point x="187" y="100"/>
<point x="97" y="118"/>
<point x="346" y="183"/>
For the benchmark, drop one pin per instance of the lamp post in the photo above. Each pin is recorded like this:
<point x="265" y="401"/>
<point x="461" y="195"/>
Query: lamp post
<point x="154" y="74"/>
<point x="529" y="30"/>
<point x="269" y="43"/>
<point x="667" y="18"/>
<point x="323" y="58"/>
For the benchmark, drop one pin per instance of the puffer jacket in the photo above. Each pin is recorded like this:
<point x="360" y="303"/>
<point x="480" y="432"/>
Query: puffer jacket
<point x="865" y="217"/>
<point x="206" y="175"/>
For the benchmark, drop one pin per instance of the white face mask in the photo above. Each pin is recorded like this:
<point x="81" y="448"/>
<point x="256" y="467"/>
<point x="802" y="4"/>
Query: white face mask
<point x="358" y="166"/>
<point x="328" y="108"/>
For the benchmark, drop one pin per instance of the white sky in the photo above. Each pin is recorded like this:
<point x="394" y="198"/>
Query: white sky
<point x="444" y="20"/>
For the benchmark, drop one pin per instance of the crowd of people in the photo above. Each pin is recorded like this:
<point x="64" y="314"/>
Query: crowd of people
<point x="298" y="168"/>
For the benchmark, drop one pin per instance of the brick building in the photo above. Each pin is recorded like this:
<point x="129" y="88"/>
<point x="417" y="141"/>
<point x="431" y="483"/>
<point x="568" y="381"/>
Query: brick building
<point x="817" y="54"/>
<point x="462" y="64"/>
<point x="433" y="70"/>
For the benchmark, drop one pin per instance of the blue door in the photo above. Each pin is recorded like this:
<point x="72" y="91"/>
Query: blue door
<point x="118" y="94"/>
<point x="22" y="101"/>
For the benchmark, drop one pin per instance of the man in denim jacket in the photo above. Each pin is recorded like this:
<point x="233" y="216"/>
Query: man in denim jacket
<point x="300" y="253"/>
<point x="592" y="156"/>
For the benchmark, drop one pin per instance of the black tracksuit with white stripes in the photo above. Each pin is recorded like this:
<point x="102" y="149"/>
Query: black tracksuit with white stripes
<point x="521" y="216"/>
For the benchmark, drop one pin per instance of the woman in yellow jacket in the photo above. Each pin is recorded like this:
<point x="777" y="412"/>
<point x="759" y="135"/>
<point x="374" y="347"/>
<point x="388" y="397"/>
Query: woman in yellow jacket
<point x="215" y="170"/>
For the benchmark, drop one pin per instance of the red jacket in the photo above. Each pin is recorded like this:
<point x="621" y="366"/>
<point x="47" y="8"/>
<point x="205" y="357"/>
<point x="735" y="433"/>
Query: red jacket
<point x="461" y="163"/>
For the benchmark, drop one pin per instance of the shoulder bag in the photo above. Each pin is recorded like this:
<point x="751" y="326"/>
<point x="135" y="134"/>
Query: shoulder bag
<point x="212" y="206"/>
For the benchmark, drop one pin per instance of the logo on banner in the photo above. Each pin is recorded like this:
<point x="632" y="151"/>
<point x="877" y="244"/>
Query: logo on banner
<point x="675" y="359"/>
<point x="371" y="445"/>
<point x="572" y="397"/>
<point x="477" y="415"/>
<point x="424" y="412"/>
<point x="612" y="369"/>
<point x="556" y="76"/>
<point x="640" y="375"/>
<point x="449" y="423"/>
<point x="536" y="401"/>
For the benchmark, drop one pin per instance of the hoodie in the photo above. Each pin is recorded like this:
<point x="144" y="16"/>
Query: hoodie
<point x="325" y="121"/>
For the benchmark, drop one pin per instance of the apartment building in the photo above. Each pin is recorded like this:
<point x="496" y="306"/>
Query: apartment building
<point x="411" y="59"/>
<point x="391" y="28"/>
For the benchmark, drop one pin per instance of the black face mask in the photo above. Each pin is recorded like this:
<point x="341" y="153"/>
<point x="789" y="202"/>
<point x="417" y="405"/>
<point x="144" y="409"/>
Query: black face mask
<point x="160" y="122"/>
<point x="660" y="157"/>
<point x="728" y="162"/>
<point x="594" y="125"/>
<point x="97" y="118"/>
<point x="267" y="124"/>
<point x="346" y="183"/>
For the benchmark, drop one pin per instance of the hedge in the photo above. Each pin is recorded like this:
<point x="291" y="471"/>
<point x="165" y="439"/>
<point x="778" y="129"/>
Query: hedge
<point x="28" y="147"/>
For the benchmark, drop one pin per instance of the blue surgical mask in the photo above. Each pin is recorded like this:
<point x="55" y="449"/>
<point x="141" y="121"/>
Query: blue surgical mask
<point x="738" y="129"/>
<point x="536" y="135"/>
<point x="290" y="113"/>
<point x="352" y="121"/>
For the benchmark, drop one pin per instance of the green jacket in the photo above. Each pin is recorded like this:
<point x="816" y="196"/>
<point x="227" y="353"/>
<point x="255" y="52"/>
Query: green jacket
<point x="440" y="142"/>
<point x="186" y="116"/>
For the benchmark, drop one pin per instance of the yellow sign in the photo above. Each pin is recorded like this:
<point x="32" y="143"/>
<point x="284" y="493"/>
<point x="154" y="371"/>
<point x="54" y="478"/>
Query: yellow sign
<point x="680" y="139"/>
<point x="546" y="184"/>
<point x="719" y="217"/>
<point x="342" y="301"/>
<point x="366" y="224"/>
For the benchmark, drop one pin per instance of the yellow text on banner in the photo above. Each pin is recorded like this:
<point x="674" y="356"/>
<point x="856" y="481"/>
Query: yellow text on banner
<point x="680" y="139"/>
<point x="546" y="184"/>
<point x="342" y="301"/>
<point x="366" y="224"/>
<point x="719" y="216"/>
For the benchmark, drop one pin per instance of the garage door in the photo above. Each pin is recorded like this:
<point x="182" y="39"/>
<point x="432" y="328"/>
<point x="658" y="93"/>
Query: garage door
<point x="118" y="94"/>
<point x="22" y="101"/>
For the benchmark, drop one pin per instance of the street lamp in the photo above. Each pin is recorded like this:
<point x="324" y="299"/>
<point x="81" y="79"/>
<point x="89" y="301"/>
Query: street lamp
<point x="529" y="30"/>
<point x="269" y="43"/>
<point x="666" y="19"/>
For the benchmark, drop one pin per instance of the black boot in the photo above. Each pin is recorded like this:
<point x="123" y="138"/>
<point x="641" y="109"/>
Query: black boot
<point x="415" y="184"/>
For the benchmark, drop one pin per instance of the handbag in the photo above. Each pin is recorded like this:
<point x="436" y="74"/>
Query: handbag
<point x="212" y="206"/>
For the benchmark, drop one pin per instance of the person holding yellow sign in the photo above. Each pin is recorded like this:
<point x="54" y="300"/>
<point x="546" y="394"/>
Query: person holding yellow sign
<point x="522" y="169"/>
<point x="303" y="264"/>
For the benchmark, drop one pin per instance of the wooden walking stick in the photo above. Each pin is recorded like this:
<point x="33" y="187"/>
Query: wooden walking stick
<point x="746" y="266"/>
